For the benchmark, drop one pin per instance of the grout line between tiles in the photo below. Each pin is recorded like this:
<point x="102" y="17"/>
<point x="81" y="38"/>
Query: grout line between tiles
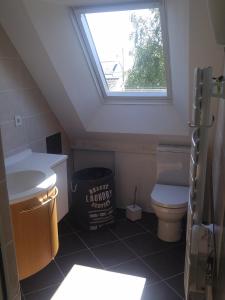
<point x="41" y="290"/>
<point x="137" y="256"/>
<point x="58" y="267"/>
<point x="128" y="236"/>
<point x="121" y="263"/>
<point x="164" y="282"/>
<point x="123" y="241"/>
<point x="154" y="235"/>
<point x="156" y="282"/>
<point x="90" y="250"/>
<point x="152" y="270"/>
<point x="102" y="244"/>
<point x="152" y="253"/>
<point x="85" y="244"/>
<point x="118" y="239"/>
<point x="161" y="251"/>
<point x="170" y="277"/>
<point x="143" y="226"/>
<point x="173" y="276"/>
<point x="173" y="289"/>
<point x="71" y="253"/>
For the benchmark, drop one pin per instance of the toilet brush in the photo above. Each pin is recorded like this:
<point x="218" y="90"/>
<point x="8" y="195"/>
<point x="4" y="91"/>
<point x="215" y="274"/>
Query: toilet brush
<point x="134" y="211"/>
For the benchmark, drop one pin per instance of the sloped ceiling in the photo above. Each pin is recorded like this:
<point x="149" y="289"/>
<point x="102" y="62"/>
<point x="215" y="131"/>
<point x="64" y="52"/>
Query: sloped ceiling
<point x="44" y="34"/>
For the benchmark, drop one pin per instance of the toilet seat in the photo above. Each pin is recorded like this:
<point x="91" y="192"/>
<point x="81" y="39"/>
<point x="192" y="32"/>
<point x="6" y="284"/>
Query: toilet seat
<point x="170" y="196"/>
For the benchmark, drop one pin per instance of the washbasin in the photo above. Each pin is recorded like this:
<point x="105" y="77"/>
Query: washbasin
<point x="21" y="181"/>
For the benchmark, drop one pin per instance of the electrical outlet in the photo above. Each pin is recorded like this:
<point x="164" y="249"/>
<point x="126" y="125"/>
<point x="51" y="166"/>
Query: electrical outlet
<point x="18" y="120"/>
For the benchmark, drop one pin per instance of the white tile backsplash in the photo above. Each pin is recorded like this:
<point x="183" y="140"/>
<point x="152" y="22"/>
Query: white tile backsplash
<point x="19" y="95"/>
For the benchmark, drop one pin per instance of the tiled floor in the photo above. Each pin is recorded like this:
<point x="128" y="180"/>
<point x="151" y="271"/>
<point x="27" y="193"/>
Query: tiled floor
<point x="126" y="247"/>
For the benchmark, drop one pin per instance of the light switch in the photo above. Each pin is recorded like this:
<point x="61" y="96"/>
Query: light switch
<point x="18" y="120"/>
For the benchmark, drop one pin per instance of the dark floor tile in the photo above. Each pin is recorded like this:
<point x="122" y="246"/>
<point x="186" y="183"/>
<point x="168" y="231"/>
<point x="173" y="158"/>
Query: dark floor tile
<point x="98" y="237"/>
<point x="63" y="227"/>
<point x="120" y="213"/>
<point x="71" y="222"/>
<point x="159" y="291"/>
<point x="44" y="294"/>
<point x="177" y="283"/>
<point x="113" y="254"/>
<point x="146" y="243"/>
<point x="167" y="263"/>
<point x="69" y="243"/>
<point x="149" y="221"/>
<point x="125" y="228"/>
<point x="166" y="259"/>
<point x="50" y="275"/>
<point x="137" y="268"/>
<point x="84" y="258"/>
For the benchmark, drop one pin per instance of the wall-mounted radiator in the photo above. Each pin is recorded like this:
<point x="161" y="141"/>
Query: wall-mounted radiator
<point x="200" y="246"/>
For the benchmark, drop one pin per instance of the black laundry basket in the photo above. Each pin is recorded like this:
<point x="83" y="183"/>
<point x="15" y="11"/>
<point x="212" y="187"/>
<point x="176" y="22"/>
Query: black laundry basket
<point x="93" y="200"/>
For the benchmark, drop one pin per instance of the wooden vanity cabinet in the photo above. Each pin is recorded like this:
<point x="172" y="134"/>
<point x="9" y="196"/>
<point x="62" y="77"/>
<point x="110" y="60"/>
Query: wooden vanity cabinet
<point x="35" y="232"/>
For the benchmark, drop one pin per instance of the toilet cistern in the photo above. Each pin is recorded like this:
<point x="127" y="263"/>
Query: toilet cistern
<point x="169" y="197"/>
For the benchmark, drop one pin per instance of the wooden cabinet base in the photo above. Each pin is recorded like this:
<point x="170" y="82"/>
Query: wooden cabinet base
<point x="35" y="232"/>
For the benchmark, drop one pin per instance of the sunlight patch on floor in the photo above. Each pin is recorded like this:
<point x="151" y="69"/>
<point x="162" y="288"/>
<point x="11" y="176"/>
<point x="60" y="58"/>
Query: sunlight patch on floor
<point x="84" y="283"/>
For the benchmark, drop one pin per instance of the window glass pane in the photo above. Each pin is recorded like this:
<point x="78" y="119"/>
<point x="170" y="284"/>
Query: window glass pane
<point x="130" y="49"/>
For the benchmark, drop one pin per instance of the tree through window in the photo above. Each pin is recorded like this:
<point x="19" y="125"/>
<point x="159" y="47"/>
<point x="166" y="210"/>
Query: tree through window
<point x="148" y="70"/>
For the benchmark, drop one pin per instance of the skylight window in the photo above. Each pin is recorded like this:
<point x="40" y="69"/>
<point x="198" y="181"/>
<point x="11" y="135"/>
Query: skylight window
<point x="126" y="46"/>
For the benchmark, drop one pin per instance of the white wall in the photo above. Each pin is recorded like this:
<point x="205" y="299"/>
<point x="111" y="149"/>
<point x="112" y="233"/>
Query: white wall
<point x="135" y="161"/>
<point x="130" y="169"/>
<point x="40" y="32"/>
<point x="19" y="95"/>
<point x="16" y="22"/>
<point x="91" y="158"/>
<point x="203" y="50"/>
<point x="66" y="79"/>
<point x="134" y="169"/>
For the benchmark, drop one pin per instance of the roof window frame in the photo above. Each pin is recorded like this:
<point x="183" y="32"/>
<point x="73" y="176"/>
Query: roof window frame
<point x="94" y="63"/>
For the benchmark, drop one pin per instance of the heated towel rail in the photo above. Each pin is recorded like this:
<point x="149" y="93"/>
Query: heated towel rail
<point x="200" y="245"/>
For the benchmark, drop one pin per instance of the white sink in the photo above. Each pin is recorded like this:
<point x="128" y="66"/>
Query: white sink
<point x="22" y="181"/>
<point x="30" y="174"/>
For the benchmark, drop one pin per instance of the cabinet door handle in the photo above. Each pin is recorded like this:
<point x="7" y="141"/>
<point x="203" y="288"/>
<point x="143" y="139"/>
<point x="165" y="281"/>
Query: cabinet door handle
<point x="49" y="199"/>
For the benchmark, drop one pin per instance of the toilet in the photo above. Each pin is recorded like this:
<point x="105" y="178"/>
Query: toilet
<point x="170" y="194"/>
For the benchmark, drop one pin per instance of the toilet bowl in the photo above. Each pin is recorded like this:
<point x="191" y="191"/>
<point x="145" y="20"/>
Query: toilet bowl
<point x="169" y="203"/>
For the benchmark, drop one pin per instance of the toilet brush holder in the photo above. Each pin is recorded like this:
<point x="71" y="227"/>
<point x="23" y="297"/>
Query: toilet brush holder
<point x="133" y="212"/>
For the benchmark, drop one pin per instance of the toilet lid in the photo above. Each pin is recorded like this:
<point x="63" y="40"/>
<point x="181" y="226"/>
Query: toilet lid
<point x="172" y="196"/>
